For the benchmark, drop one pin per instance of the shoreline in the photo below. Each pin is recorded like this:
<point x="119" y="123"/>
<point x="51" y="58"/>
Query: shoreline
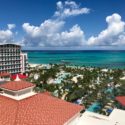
<point x="105" y="69"/>
<point x="105" y="59"/>
<point x="76" y="66"/>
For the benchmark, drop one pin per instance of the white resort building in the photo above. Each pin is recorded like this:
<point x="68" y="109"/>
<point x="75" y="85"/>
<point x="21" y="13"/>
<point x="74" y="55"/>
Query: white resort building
<point x="91" y="118"/>
<point x="12" y="60"/>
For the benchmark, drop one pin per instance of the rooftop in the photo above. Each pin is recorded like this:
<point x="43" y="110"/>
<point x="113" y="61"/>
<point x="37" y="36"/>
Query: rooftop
<point x="4" y="74"/>
<point x="39" y="109"/>
<point x="16" y="85"/>
<point x="21" y="76"/>
<point x="121" y="100"/>
<point x="6" y="44"/>
<point x="90" y="118"/>
<point x="118" y="115"/>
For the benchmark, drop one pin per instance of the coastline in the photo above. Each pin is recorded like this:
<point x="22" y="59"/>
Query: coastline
<point x="32" y="65"/>
<point x="102" y="59"/>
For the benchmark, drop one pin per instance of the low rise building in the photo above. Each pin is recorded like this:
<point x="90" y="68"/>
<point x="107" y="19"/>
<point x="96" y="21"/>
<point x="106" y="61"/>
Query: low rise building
<point x="4" y="76"/>
<point x="91" y="118"/>
<point x="20" y="105"/>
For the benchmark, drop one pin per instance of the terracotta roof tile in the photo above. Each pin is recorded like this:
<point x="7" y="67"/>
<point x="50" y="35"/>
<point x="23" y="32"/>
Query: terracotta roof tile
<point x="39" y="109"/>
<point x="121" y="100"/>
<point x="8" y="109"/>
<point x="47" y="93"/>
<point x="4" y="74"/>
<point x="16" y="85"/>
<point x="21" y="76"/>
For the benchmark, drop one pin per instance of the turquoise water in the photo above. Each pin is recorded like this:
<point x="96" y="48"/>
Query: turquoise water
<point x="94" y="107"/>
<point x="61" y="77"/>
<point x="110" y="59"/>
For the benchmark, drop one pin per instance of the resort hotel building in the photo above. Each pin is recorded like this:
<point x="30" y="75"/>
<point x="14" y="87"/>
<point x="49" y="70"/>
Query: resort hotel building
<point x="12" y="60"/>
<point x="20" y="105"/>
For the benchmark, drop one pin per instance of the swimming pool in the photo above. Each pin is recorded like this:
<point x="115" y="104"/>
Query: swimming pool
<point x="94" y="107"/>
<point x="59" y="79"/>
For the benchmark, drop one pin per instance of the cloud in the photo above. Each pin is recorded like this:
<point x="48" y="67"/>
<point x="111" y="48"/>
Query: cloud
<point x="6" y="36"/>
<point x="114" y="34"/>
<point x="47" y="27"/>
<point x="69" y="8"/>
<point x="75" y="37"/>
<point x="41" y="35"/>
<point x="11" y="26"/>
<point x="50" y="33"/>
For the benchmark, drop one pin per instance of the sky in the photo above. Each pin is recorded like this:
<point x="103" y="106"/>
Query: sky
<point x="63" y="24"/>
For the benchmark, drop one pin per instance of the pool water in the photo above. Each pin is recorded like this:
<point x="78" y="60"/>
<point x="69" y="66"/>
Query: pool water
<point x="61" y="77"/>
<point x="94" y="107"/>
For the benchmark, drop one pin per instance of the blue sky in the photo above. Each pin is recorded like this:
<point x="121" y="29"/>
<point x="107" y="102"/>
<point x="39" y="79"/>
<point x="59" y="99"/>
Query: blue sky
<point x="65" y="24"/>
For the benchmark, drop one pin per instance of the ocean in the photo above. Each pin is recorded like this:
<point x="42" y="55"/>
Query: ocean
<point x="95" y="58"/>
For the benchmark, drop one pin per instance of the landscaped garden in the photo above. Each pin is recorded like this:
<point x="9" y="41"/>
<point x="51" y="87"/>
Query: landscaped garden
<point x="95" y="88"/>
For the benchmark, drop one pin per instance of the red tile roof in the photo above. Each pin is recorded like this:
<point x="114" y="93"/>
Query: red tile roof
<point x="21" y="76"/>
<point x="39" y="109"/>
<point x="47" y="93"/>
<point x="121" y="100"/>
<point x="4" y="74"/>
<point x="16" y="85"/>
